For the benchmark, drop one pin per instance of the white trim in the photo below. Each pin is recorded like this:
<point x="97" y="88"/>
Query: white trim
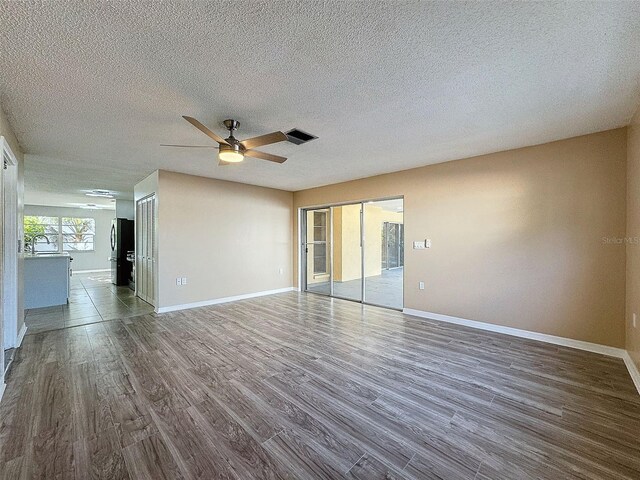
<point x="21" y="334"/>
<point x="10" y="232"/>
<point x="633" y="370"/>
<point x="216" y="301"/>
<point x="299" y="242"/>
<point x="100" y="270"/>
<point x="2" y="388"/>
<point x="4" y="145"/>
<point x="516" y="332"/>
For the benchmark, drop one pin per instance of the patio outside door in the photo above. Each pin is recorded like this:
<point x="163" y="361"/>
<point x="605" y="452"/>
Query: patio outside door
<point x="355" y="251"/>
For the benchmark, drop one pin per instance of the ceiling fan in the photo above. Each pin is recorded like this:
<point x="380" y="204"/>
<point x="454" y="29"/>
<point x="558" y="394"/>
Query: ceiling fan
<point x="232" y="150"/>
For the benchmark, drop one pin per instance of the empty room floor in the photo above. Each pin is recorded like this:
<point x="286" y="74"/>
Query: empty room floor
<point x="93" y="298"/>
<point x="303" y="386"/>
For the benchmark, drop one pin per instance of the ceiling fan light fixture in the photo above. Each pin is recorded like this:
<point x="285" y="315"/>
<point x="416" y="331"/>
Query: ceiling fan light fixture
<point x="230" y="153"/>
<point x="230" y="156"/>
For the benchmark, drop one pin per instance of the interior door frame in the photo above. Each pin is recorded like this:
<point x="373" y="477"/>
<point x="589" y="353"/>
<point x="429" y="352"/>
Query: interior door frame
<point x="10" y="245"/>
<point x="302" y="245"/>
<point x="9" y="251"/>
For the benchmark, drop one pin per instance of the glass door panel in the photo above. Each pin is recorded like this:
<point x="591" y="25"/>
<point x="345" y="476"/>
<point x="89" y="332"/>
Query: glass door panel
<point x="392" y="245"/>
<point x="347" y="251"/>
<point x="355" y="252"/>
<point x="317" y="251"/>
<point x="384" y="252"/>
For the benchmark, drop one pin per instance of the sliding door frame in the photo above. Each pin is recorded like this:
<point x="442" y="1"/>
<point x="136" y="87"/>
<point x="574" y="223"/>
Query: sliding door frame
<point x="303" y="254"/>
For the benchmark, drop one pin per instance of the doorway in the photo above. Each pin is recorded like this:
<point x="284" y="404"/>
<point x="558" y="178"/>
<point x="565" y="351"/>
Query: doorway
<point x="355" y="251"/>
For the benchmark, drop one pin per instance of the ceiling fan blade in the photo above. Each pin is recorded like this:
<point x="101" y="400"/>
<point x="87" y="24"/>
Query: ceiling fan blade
<point x="267" y="139"/>
<point x="265" y="156"/>
<point x="189" y="146"/>
<point x="205" y="130"/>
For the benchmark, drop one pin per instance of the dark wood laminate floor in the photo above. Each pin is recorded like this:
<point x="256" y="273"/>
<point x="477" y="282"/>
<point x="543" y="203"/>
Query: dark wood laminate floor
<point x="302" y="386"/>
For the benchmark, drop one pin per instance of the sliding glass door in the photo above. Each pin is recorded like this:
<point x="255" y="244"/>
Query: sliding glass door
<point x="355" y="251"/>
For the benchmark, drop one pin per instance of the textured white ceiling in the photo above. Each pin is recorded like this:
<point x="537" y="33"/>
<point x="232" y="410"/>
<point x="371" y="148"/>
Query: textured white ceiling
<point x="93" y="88"/>
<point x="66" y="199"/>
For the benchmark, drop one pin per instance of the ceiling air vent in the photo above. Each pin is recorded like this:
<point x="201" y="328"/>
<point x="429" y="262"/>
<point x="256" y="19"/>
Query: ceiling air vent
<point x="299" y="137"/>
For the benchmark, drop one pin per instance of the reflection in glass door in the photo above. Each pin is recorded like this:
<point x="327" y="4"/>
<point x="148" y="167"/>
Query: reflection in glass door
<point x="347" y="251"/>
<point x="392" y="245"/>
<point x="384" y="252"/>
<point x="356" y="252"/>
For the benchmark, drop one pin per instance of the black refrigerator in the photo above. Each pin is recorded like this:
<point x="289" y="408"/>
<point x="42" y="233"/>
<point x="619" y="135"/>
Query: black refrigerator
<point x="122" y="241"/>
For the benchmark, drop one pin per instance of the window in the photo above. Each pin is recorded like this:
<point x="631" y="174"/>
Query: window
<point x="320" y="249"/>
<point x="44" y="231"/>
<point x="59" y="234"/>
<point x="77" y="234"/>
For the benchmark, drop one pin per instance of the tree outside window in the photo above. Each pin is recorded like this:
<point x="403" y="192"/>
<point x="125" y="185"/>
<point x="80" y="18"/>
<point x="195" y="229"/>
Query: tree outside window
<point x="78" y="234"/>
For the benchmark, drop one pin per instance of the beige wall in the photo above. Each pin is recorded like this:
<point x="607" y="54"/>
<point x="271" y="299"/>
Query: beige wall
<point x="517" y="236"/>
<point x="227" y="238"/>
<point x="633" y="235"/>
<point x="7" y="132"/>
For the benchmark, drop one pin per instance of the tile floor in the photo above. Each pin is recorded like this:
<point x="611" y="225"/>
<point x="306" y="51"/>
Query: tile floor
<point x="93" y="298"/>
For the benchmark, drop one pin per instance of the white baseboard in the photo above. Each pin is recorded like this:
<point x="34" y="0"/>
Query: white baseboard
<point x="100" y="270"/>
<point x="542" y="337"/>
<point x="516" y="332"/>
<point x="633" y="370"/>
<point x="2" y="388"/>
<point x="21" y="335"/>
<point x="216" y="301"/>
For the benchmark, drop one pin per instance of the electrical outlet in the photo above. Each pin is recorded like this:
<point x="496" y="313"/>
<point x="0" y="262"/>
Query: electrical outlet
<point x="184" y="280"/>
<point x="421" y="285"/>
<point x="635" y="318"/>
<point x="427" y="243"/>
<point x="281" y="270"/>
<point x="178" y="281"/>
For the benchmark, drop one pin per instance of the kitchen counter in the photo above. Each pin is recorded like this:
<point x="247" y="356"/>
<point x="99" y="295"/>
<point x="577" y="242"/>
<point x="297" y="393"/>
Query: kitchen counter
<point x="46" y="279"/>
<point x="46" y="255"/>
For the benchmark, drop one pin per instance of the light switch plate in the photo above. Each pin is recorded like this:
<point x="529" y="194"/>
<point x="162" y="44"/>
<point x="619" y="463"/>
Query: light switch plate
<point x="421" y="285"/>
<point x="178" y="281"/>
<point x="418" y="245"/>
<point x="184" y="280"/>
